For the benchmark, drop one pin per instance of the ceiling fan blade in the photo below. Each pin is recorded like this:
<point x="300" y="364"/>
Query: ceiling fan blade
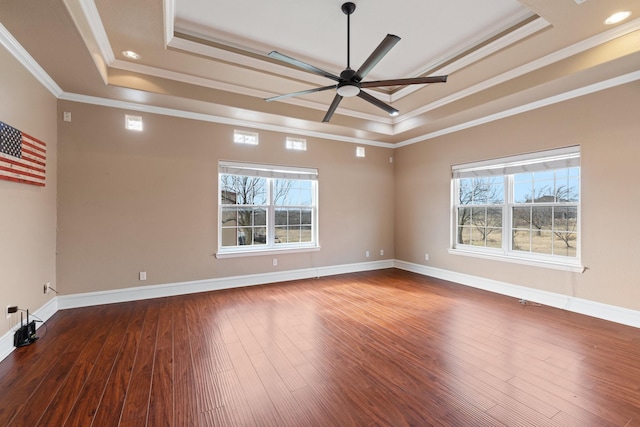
<point x="404" y="82"/>
<point x="375" y="101"/>
<point x="332" y="108"/>
<point x="302" y="92"/>
<point x="383" y="48"/>
<point x="303" y="65"/>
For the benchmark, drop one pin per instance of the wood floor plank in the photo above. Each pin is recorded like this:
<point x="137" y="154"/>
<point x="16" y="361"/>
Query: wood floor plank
<point x="380" y="348"/>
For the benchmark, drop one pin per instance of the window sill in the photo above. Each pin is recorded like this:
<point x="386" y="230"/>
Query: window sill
<point x="266" y="251"/>
<point x="574" y="267"/>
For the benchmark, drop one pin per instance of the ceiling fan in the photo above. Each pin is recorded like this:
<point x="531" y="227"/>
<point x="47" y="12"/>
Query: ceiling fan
<point x="350" y="83"/>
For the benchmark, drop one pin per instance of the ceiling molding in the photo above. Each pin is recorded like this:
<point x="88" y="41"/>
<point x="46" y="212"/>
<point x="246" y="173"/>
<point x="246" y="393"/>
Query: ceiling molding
<point x="21" y="55"/>
<point x="552" y="58"/>
<point x="87" y="20"/>
<point x="586" y="90"/>
<point x="169" y="11"/>
<point x="125" y="105"/>
<point x="507" y="40"/>
<point x="237" y="89"/>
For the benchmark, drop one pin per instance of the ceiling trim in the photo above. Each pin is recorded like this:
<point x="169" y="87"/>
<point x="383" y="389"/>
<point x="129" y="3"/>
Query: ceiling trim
<point x="241" y="90"/>
<point x="552" y="58"/>
<point x="169" y="10"/>
<point x="126" y="105"/>
<point x="576" y="93"/>
<point x="21" y="55"/>
<point x="514" y="36"/>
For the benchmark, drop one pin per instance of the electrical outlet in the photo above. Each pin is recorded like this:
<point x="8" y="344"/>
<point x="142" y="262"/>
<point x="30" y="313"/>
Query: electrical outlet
<point x="381" y="252"/>
<point x="366" y="254"/>
<point x="275" y="262"/>
<point x="426" y="257"/>
<point x="9" y="311"/>
<point x="143" y="275"/>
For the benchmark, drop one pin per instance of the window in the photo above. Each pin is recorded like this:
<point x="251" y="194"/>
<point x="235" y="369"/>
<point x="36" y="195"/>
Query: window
<point x="264" y="208"/>
<point x="360" y="152"/>
<point x="245" y="137"/>
<point x="133" y="122"/>
<point x="299" y="144"/>
<point x="524" y="208"/>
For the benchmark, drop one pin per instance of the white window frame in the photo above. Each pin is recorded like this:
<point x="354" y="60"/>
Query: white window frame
<point x="271" y="173"/>
<point x="296" y="144"/>
<point x="246" y="137"/>
<point x="506" y="168"/>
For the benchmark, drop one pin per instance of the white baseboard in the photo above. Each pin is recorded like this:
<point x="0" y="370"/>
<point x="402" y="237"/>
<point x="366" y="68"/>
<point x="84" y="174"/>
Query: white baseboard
<point x="183" y="288"/>
<point x="44" y="313"/>
<point x="590" y="308"/>
<point x="598" y="310"/>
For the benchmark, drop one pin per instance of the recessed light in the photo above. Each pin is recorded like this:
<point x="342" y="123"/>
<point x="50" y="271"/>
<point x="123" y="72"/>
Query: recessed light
<point x="131" y="54"/>
<point x="617" y="17"/>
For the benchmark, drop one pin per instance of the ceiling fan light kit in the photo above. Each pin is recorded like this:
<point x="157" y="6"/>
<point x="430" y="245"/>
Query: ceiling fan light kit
<point x="349" y="83"/>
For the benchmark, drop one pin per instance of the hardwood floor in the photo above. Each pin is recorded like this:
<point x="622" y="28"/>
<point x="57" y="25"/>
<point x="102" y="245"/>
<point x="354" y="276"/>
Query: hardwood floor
<point x="384" y="348"/>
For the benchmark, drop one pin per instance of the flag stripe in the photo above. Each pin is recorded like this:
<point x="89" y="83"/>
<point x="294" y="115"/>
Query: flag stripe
<point x="34" y="154"/>
<point x="26" y="157"/>
<point x="6" y="159"/>
<point x="22" y="157"/>
<point x="17" y="172"/>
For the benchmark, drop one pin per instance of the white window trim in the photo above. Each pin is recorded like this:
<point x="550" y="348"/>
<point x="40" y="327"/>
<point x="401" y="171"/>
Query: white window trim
<point x="554" y="159"/>
<point x="268" y="171"/>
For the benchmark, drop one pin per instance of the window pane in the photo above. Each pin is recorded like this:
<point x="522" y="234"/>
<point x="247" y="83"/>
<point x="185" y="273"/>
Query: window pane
<point x="464" y="235"/>
<point x="306" y="217"/>
<point x="481" y="191"/>
<point x="541" y="218"/>
<point x="478" y="216"/>
<point x="521" y="240"/>
<point x="259" y="236"/>
<point x="281" y="217"/>
<point x="522" y="191"/>
<point x="292" y="192"/>
<point x="494" y="237"/>
<point x="478" y="236"/>
<point x="522" y="217"/>
<point x="229" y="217"/>
<point x="542" y="242"/>
<point x="464" y="216"/>
<point x="243" y="190"/>
<point x="564" y="244"/>
<point x="259" y="217"/>
<point x="494" y="217"/>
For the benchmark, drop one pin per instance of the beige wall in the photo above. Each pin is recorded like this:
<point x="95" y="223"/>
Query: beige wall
<point x="131" y="202"/>
<point x="27" y="212"/>
<point x="607" y="127"/>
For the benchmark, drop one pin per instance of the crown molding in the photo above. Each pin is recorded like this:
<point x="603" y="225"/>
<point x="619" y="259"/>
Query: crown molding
<point x="21" y="55"/>
<point x="125" y="105"/>
<point x="586" y="90"/>
<point x="552" y="58"/>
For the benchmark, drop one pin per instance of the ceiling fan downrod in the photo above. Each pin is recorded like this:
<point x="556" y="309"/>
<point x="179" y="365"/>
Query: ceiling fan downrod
<point x="348" y="8"/>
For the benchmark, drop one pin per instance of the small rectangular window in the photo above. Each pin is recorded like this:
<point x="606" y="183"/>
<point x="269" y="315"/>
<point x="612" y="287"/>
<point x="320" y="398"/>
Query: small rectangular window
<point x="133" y="122"/>
<point x="245" y="137"/>
<point x="299" y="144"/>
<point x="359" y="151"/>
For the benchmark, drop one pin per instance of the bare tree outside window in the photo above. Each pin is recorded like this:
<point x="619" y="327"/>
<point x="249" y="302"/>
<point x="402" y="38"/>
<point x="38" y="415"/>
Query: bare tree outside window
<point x="479" y="211"/>
<point x="244" y="217"/>
<point x="546" y="224"/>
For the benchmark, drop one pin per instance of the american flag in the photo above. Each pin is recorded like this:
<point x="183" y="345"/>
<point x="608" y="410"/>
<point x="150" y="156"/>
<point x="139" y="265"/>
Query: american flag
<point x="22" y="157"/>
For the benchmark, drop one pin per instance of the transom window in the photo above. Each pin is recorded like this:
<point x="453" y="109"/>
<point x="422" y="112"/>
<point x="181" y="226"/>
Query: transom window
<point x="524" y="208"/>
<point x="263" y="207"/>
